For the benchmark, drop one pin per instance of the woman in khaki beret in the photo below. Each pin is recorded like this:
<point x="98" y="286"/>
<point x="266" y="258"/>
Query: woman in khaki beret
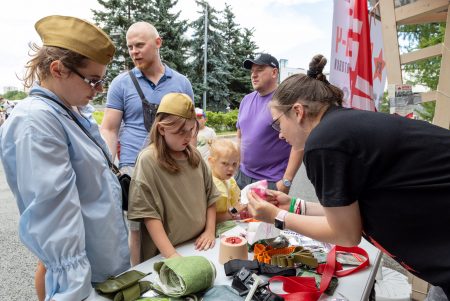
<point x="68" y="197"/>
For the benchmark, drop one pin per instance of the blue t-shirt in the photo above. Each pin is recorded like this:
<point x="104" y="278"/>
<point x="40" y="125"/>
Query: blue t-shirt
<point x="122" y="95"/>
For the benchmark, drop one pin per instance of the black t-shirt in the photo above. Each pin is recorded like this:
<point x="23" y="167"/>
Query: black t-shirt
<point x="398" y="170"/>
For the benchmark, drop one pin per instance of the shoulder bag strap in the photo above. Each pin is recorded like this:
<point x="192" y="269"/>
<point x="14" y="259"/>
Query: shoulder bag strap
<point x="113" y="167"/>
<point x="136" y="84"/>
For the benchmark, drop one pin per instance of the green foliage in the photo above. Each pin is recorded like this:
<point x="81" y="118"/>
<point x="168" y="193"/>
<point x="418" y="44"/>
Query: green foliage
<point x="426" y="111"/>
<point x="115" y="18"/>
<point x="228" y="46"/>
<point x="98" y="116"/>
<point x="118" y="15"/>
<point x="217" y="65"/>
<point x="239" y="45"/>
<point x="219" y="121"/>
<point x="15" y="95"/>
<point x="174" y="50"/>
<point x="424" y="72"/>
<point x="222" y="122"/>
<point x="384" y="105"/>
<point x="99" y="99"/>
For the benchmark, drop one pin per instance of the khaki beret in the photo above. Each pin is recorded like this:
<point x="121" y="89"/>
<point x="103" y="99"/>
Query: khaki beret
<point x="177" y="104"/>
<point x="77" y="35"/>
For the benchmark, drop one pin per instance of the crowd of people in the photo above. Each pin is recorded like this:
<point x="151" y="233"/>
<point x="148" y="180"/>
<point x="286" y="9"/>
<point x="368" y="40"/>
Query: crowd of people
<point x="378" y="176"/>
<point x="6" y="107"/>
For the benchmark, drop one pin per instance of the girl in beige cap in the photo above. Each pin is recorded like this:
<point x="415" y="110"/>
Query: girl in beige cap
<point x="172" y="190"/>
<point x="69" y="199"/>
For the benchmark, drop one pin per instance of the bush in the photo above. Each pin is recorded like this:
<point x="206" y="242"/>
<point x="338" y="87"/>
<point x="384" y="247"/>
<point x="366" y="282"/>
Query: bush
<point x="98" y="116"/>
<point x="219" y="121"/>
<point x="222" y="122"/>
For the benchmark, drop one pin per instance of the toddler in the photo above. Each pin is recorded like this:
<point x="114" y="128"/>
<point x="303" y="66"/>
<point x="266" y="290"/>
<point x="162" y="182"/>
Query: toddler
<point x="206" y="135"/>
<point x="223" y="161"/>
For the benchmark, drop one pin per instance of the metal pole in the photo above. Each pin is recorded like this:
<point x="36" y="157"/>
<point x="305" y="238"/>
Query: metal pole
<point x="205" y="55"/>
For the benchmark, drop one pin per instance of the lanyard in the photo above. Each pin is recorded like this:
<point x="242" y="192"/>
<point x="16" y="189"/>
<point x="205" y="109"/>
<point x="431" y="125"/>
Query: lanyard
<point x="111" y="165"/>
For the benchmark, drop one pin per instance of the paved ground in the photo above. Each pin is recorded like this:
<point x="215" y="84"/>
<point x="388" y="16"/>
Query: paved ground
<point x="17" y="264"/>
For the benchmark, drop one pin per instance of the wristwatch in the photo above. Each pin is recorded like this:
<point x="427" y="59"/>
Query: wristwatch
<point x="233" y="211"/>
<point x="279" y="220"/>
<point x="287" y="182"/>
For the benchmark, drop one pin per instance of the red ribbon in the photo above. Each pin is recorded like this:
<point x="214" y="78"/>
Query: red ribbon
<point x="304" y="288"/>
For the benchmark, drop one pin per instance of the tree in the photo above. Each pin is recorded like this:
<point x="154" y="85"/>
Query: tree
<point x="15" y="95"/>
<point x="118" y="15"/>
<point x="174" y="50"/>
<point x="239" y="45"/>
<point x="424" y="72"/>
<point x="384" y="104"/>
<point x="217" y="67"/>
<point x="115" y="20"/>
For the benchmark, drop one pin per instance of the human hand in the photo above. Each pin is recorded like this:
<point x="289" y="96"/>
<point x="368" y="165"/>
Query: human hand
<point x="244" y="214"/>
<point x="240" y="207"/>
<point x="278" y="199"/>
<point x="260" y="209"/>
<point x="205" y="241"/>
<point x="242" y="211"/>
<point x="281" y="187"/>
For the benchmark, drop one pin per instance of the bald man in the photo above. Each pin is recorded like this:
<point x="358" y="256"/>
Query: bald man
<point x="124" y="106"/>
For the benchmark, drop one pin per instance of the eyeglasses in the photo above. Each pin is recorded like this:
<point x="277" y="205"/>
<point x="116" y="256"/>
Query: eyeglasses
<point x="276" y="123"/>
<point x="94" y="83"/>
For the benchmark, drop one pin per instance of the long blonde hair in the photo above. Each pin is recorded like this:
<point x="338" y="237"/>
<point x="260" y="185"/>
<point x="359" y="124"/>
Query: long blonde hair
<point x="165" y="160"/>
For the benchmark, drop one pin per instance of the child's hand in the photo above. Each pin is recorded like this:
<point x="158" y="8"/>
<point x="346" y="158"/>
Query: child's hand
<point x="205" y="241"/>
<point x="242" y="211"/>
<point x="241" y="207"/>
<point x="244" y="214"/>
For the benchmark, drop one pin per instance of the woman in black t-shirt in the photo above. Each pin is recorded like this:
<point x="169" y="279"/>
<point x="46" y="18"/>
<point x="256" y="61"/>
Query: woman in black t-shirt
<point x="376" y="175"/>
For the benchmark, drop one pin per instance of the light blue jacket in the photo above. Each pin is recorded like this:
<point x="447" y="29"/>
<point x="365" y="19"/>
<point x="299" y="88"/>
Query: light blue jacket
<point x="69" y="200"/>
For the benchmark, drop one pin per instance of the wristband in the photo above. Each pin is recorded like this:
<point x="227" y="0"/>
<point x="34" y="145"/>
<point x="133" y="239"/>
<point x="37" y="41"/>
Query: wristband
<point x="303" y="207"/>
<point x="300" y="207"/>
<point x="292" y="207"/>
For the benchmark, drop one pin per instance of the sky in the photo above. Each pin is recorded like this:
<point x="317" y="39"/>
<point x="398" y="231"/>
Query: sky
<point x="295" y="30"/>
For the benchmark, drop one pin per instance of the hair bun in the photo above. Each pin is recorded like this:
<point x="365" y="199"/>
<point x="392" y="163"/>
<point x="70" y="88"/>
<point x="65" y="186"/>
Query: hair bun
<point x="316" y="66"/>
<point x="312" y="73"/>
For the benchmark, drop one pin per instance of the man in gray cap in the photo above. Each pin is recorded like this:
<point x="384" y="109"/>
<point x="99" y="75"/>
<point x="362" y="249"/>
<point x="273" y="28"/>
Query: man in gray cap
<point x="263" y="155"/>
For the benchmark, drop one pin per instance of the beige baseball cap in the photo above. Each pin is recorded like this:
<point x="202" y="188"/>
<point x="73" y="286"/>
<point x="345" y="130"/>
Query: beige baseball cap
<point x="178" y="104"/>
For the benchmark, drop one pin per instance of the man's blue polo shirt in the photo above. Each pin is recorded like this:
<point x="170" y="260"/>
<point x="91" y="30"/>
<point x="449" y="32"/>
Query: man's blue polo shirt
<point x="122" y="95"/>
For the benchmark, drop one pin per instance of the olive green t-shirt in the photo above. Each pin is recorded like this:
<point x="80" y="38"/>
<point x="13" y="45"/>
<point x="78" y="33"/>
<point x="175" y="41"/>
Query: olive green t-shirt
<point x="179" y="200"/>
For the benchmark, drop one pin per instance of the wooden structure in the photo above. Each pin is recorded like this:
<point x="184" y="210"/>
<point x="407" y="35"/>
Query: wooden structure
<point x="418" y="12"/>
